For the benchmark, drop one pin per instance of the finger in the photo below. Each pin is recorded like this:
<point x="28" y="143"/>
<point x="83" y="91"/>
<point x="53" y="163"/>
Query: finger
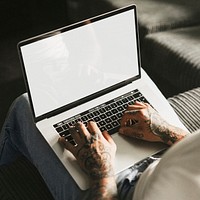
<point x="67" y="145"/>
<point x="94" y="129"/>
<point x="136" y="106"/>
<point x="149" y="106"/>
<point x="139" y="103"/>
<point x="127" y="117"/>
<point x="83" y="132"/>
<point x="74" y="134"/>
<point x="79" y="129"/>
<point x="107" y="136"/>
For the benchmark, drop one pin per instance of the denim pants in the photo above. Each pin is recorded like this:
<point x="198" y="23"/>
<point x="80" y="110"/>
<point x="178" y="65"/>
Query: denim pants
<point x="20" y="136"/>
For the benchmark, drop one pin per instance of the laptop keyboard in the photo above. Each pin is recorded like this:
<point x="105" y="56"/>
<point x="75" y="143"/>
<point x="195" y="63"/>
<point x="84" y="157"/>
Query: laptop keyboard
<point x="107" y="115"/>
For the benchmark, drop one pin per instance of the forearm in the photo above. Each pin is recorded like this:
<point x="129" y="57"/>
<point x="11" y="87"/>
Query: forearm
<point x="104" y="189"/>
<point x="170" y="134"/>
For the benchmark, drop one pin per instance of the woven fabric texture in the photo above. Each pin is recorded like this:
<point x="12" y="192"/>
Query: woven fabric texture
<point x="174" y="56"/>
<point x="187" y="107"/>
<point x="153" y="15"/>
<point x="162" y="15"/>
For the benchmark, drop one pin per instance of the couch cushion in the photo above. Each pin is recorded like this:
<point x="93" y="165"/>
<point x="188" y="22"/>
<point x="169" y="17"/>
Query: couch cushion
<point x="160" y="15"/>
<point x="187" y="107"/>
<point x="153" y="15"/>
<point x="174" y="56"/>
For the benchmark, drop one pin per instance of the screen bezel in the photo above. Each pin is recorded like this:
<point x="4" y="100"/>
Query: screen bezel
<point x="68" y="28"/>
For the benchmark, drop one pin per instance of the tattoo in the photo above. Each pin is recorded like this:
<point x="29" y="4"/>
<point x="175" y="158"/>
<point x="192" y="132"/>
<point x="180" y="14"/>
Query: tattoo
<point x="159" y="127"/>
<point x="95" y="156"/>
<point x="96" y="161"/>
<point x="106" y="190"/>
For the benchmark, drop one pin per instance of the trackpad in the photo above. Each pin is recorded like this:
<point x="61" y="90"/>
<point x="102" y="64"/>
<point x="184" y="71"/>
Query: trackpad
<point x="131" y="151"/>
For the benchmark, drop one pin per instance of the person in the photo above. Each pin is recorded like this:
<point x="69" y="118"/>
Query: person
<point x="151" y="178"/>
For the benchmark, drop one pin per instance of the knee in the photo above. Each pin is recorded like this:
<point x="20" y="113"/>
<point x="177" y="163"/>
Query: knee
<point x="21" y="106"/>
<point x="22" y="102"/>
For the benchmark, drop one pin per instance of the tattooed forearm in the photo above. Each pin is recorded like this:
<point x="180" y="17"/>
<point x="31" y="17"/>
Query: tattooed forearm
<point x="104" y="189"/>
<point x="168" y="133"/>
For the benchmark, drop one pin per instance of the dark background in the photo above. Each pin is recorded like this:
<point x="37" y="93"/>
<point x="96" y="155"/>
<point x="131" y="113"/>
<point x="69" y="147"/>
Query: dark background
<point x="19" y="20"/>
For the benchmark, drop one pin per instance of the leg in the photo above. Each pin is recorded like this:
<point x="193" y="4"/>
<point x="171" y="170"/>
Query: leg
<point x="20" y="136"/>
<point x="127" y="179"/>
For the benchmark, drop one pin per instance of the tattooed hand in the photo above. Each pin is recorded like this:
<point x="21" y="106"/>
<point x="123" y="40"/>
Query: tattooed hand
<point x="142" y="121"/>
<point x="95" y="151"/>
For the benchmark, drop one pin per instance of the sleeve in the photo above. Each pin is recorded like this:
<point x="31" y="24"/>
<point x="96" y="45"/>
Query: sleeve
<point x="176" y="176"/>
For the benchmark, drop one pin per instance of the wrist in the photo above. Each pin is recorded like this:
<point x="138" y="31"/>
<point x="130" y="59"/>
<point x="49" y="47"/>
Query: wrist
<point x="105" y="171"/>
<point x="104" y="188"/>
<point x="175" y="134"/>
<point x="169" y="134"/>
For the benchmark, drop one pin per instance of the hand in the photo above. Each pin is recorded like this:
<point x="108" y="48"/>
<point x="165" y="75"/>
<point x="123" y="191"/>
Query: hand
<point x="95" y="151"/>
<point x="142" y="121"/>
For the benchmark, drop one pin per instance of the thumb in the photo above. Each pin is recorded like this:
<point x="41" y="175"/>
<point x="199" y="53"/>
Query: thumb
<point x="108" y="137"/>
<point x="65" y="143"/>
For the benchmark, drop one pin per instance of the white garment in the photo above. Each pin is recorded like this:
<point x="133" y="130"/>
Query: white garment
<point x="176" y="176"/>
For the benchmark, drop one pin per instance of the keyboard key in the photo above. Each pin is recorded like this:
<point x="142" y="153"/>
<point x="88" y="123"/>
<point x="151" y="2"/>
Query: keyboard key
<point x="114" y="111"/>
<point x="120" y="108"/>
<point x="125" y="100"/>
<point x="108" y="127"/>
<point x="137" y="95"/>
<point x="103" y="116"/>
<point x="97" y="119"/>
<point x="125" y="106"/>
<point x="119" y="103"/>
<point x="107" y="108"/>
<point x="102" y="123"/>
<point x="114" y="117"/>
<point x="119" y="115"/>
<point x="115" y="123"/>
<point x="103" y="128"/>
<point x="108" y="120"/>
<point x="65" y="126"/>
<point x="108" y="114"/>
<point x="84" y="118"/>
<point x="59" y="129"/>
<point x="96" y="113"/>
<point x="130" y="98"/>
<point x="113" y="105"/>
<point x="90" y="115"/>
<point x="102" y="110"/>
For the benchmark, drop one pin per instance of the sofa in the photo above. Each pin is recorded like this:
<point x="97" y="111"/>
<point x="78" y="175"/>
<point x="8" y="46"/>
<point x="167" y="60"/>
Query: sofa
<point x="170" y="53"/>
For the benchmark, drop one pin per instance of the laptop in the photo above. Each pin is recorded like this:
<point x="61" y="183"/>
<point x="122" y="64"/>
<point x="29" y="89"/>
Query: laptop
<point x="90" y="70"/>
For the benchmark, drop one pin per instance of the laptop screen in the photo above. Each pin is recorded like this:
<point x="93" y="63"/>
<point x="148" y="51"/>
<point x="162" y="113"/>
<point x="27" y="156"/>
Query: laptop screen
<point x="73" y="63"/>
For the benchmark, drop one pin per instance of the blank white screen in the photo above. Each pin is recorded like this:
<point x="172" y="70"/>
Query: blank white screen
<point x="74" y="64"/>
